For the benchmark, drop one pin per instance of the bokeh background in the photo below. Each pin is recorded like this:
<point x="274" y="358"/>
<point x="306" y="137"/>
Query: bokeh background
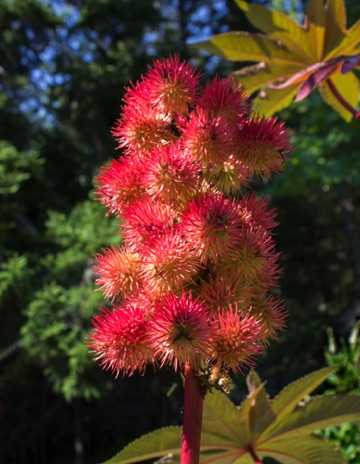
<point x="63" y="68"/>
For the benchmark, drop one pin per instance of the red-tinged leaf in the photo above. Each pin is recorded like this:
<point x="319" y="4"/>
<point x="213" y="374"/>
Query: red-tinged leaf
<point x="279" y="26"/>
<point x="314" y="79"/>
<point x="226" y="431"/>
<point x="350" y="63"/>
<point x="302" y="59"/>
<point x="244" y="46"/>
<point x="348" y="86"/>
<point x="315" y="26"/>
<point x="302" y="76"/>
<point x="270" y="101"/>
<point x="317" y="73"/>
<point x="335" y="27"/>
<point x="259" y="75"/>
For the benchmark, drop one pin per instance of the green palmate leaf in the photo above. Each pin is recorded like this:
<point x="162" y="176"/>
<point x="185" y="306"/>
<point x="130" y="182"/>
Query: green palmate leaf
<point x="335" y="25"/>
<point x="270" y="101"/>
<point x="349" y="44"/>
<point x="229" y="457"/>
<point x="221" y="418"/>
<point x="307" y="450"/>
<point x="286" y="401"/>
<point x="278" y="428"/>
<point x="244" y="46"/>
<point x="259" y="75"/>
<point x="318" y="413"/>
<point x="251" y="413"/>
<point x="292" y="59"/>
<point x="347" y="85"/>
<point x="316" y="28"/>
<point x="261" y="413"/>
<point x="277" y="25"/>
<point x="153" y="445"/>
<point x="336" y="14"/>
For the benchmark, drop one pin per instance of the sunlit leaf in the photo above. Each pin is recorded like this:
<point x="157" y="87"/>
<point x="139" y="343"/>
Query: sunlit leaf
<point x="270" y="101"/>
<point x="335" y="26"/>
<point x="277" y="25"/>
<point x="348" y="87"/>
<point x="349" y="44"/>
<point x="259" y="75"/>
<point x="315" y="26"/>
<point x="299" y="58"/>
<point x="314" y="78"/>
<point x="244" y="46"/>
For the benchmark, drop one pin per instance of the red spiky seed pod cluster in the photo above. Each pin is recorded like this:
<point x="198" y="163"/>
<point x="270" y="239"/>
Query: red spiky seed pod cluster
<point x="192" y="281"/>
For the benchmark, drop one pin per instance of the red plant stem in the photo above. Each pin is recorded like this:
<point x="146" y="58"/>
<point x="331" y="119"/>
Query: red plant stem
<point x="341" y="100"/>
<point x="254" y="456"/>
<point x="193" y="408"/>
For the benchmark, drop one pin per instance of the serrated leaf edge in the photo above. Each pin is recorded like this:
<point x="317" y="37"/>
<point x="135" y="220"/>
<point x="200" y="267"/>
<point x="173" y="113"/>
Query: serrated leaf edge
<point x="154" y="454"/>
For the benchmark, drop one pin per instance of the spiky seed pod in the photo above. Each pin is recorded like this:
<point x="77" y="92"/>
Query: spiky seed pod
<point x="221" y="291"/>
<point x="171" y="86"/>
<point x="237" y="339"/>
<point x="270" y="309"/>
<point x="254" y="262"/>
<point x="141" y="126"/>
<point x="209" y="140"/>
<point x="120" y="273"/>
<point x="147" y="220"/>
<point x="120" y="339"/>
<point x="226" y="98"/>
<point x="195" y="271"/>
<point x="169" y="264"/>
<point x="261" y="144"/>
<point x="180" y="331"/>
<point x="119" y="184"/>
<point x="212" y="223"/>
<point x="232" y="176"/>
<point x="171" y="175"/>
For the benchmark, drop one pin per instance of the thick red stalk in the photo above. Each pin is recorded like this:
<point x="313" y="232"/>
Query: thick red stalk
<point x="193" y="409"/>
<point x="341" y="100"/>
<point x="254" y="456"/>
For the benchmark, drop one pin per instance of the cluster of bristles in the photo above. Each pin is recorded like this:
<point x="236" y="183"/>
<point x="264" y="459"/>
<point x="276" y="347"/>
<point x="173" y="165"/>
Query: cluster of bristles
<point x="192" y="281"/>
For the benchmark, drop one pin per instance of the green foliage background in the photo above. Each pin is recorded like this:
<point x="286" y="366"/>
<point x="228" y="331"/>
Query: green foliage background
<point x="63" y="66"/>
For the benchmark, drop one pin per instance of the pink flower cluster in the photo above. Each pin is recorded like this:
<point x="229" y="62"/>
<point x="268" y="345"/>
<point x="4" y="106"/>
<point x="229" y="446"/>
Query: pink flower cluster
<point x="192" y="280"/>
